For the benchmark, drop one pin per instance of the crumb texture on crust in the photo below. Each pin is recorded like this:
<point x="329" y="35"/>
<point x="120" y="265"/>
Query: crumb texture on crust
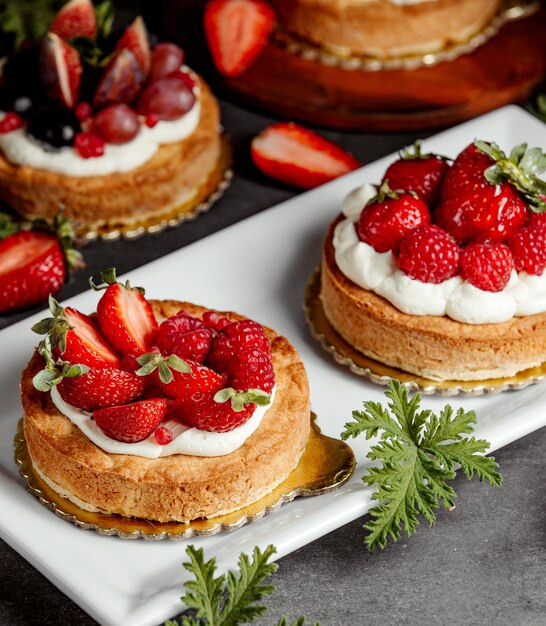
<point x="385" y="28"/>
<point x="434" y="347"/>
<point x="178" y="487"/>
<point x="170" y="178"/>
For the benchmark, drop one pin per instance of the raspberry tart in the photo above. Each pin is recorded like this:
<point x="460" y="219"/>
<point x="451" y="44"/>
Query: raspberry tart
<point x="440" y="271"/>
<point x="162" y="410"/>
<point x="114" y="130"/>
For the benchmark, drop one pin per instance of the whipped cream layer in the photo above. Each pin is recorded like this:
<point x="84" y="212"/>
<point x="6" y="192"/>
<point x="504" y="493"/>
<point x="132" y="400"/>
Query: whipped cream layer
<point x="188" y="440"/>
<point x="20" y="148"/>
<point x="524" y="294"/>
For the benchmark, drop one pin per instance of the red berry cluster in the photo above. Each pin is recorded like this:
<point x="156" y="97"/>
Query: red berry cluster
<point x="440" y="221"/>
<point x="193" y="359"/>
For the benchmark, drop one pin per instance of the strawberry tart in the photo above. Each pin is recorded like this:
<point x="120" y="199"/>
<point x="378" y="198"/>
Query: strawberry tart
<point x="110" y="128"/>
<point x="384" y="28"/>
<point x="440" y="271"/>
<point x="162" y="410"/>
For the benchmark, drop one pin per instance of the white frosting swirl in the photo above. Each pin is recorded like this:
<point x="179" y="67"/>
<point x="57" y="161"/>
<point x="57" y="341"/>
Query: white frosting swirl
<point x="457" y="298"/>
<point x="190" y="441"/>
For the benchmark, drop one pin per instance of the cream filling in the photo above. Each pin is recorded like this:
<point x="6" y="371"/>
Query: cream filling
<point x="190" y="441"/>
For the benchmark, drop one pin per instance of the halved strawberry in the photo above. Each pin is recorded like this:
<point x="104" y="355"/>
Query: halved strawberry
<point x="236" y="32"/>
<point x="76" y="19"/>
<point x="60" y="70"/>
<point x="125" y="317"/>
<point x="101" y="387"/>
<point x="131" y="422"/>
<point x="297" y="156"/>
<point x="121" y="80"/>
<point x="195" y="383"/>
<point x="75" y="337"/>
<point x="135" y="39"/>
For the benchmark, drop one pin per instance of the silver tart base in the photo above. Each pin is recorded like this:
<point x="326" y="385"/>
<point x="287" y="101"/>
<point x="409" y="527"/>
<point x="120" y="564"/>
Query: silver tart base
<point x="380" y="374"/>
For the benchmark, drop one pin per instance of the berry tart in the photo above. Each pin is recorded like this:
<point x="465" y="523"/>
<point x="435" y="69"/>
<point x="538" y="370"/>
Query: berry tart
<point x="114" y="130"/>
<point x="162" y="410"/>
<point x="384" y="28"/>
<point x="440" y="271"/>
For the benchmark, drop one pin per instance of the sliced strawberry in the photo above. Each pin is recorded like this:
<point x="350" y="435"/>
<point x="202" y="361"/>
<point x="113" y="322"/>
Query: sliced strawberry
<point x="125" y="317"/>
<point x="60" y="70"/>
<point x="199" y="381"/>
<point x="297" y="156"/>
<point x="131" y="422"/>
<point x="101" y="387"/>
<point x="236" y="32"/>
<point x="418" y="172"/>
<point x="135" y="39"/>
<point x="121" y="80"/>
<point x="76" y="19"/>
<point x="32" y="266"/>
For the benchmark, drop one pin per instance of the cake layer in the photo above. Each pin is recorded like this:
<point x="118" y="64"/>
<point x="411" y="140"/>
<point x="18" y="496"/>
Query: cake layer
<point x="385" y="28"/>
<point x="170" y="178"/>
<point x="178" y="487"/>
<point x="430" y="346"/>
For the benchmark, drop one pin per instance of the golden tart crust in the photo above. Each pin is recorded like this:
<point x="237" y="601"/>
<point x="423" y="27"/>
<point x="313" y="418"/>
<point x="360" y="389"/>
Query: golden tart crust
<point x="149" y="192"/>
<point x="177" y="487"/>
<point x="385" y="28"/>
<point x="431" y="346"/>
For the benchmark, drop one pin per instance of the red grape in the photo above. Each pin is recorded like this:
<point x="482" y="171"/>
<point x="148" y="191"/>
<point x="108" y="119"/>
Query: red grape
<point x="168" y="98"/>
<point x="116" y="123"/>
<point x="166" y="58"/>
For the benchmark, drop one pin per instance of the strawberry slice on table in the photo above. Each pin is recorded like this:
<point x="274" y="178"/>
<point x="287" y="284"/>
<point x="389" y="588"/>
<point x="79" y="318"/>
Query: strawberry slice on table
<point x="133" y="422"/>
<point x="125" y="317"/>
<point x="297" y="156"/>
<point x="236" y="32"/>
<point x="486" y="195"/>
<point x="418" y="172"/>
<point x="75" y="337"/>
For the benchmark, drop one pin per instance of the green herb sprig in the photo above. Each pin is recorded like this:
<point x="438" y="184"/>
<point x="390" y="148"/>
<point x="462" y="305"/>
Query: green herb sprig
<point x="417" y="453"/>
<point x="228" y="600"/>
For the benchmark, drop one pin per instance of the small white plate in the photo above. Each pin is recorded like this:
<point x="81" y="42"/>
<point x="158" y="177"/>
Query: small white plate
<point x="258" y="267"/>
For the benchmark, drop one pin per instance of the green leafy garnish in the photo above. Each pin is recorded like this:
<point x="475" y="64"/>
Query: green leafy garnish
<point x="27" y="19"/>
<point x="163" y="364"/>
<point x="239" y="399"/>
<point x="418" y="452"/>
<point x="228" y="600"/>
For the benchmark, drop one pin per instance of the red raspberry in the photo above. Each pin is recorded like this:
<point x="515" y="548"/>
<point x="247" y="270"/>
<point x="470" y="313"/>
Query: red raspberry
<point x="185" y="336"/>
<point x="235" y="337"/>
<point x="428" y="254"/>
<point x="528" y="246"/>
<point x="487" y="265"/>
<point x="203" y="412"/>
<point x="214" y="320"/>
<point x="252" y="369"/>
<point x="88" y="145"/>
<point x="10" y="121"/>
<point x="389" y="217"/>
<point x="83" y="111"/>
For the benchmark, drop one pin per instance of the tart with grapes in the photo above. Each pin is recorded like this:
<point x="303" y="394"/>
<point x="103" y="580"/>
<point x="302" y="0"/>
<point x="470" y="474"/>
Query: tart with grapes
<point x="109" y="127"/>
<point x="162" y="410"/>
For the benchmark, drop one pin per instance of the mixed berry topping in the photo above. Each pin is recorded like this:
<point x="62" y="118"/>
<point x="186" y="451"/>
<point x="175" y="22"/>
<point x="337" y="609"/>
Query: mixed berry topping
<point x="134" y="374"/>
<point x="83" y="83"/>
<point x="480" y="218"/>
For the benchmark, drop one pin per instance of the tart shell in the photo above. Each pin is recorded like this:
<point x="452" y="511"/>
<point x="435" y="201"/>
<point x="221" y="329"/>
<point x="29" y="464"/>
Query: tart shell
<point x="177" y="487"/>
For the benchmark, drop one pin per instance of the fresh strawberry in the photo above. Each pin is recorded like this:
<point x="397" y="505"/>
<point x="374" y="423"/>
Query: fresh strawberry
<point x="233" y="338"/>
<point x="125" y="317"/>
<point x="131" y="422"/>
<point x="135" y="39"/>
<point x="418" y="172"/>
<point x="298" y="156"/>
<point x="536" y="220"/>
<point x="528" y="247"/>
<point x="389" y="216"/>
<point x="101" y="387"/>
<point x="428" y="254"/>
<point x="252" y="369"/>
<point x="204" y="413"/>
<point x="487" y="265"/>
<point x="185" y="336"/>
<point x="484" y="192"/>
<point x="236" y="32"/>
<point x="76" y="338"/>
<point x="199" y="380"/>
<point x="75" y="19"/>
<point x="60" y="70"/>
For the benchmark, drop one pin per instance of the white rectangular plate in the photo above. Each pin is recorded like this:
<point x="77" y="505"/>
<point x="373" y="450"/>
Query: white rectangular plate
<point x="258" y="267"/>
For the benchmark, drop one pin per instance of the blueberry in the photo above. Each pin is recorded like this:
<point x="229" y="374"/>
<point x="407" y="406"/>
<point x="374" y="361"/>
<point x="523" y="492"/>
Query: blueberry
<point x="53" y="126"/>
